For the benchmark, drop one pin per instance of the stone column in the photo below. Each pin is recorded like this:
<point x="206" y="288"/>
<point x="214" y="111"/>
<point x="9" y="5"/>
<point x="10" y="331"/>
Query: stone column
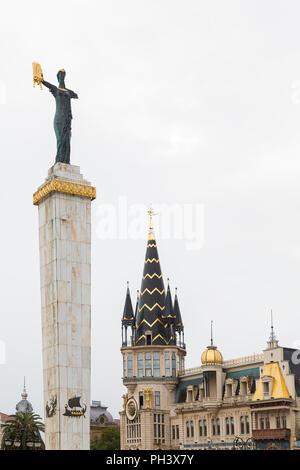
<point x="64" y="203"/>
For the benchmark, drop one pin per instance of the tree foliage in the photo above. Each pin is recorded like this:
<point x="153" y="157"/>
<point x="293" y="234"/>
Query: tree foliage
<point x="109" y="440"/>
<point x="21" y="429"/>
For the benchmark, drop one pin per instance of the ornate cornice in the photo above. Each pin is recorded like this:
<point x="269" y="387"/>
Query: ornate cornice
<point x="64" y="187"/>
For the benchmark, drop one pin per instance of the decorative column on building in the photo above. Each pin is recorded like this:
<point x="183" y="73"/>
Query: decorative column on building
<point x="64" y="206"/>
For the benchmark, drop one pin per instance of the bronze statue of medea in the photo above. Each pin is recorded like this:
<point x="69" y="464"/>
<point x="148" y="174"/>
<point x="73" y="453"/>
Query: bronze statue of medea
<point x="63" y="114"/>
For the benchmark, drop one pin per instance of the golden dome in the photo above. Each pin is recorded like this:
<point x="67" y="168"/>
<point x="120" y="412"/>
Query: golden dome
<point x="211" y="356"/>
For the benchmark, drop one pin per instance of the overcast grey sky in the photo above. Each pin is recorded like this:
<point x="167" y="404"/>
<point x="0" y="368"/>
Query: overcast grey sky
<point x="193" y="102"/>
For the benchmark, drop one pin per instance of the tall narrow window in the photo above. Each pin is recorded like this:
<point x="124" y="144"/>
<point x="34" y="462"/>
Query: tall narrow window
<point x="227" y="426"/>
<point x="187" y="429"/>
<point x="247" y="425"/>
<point x="173" y="364"/>
<point x="213" y="425"/>
<point x="129" y="365"/>
<point x="141" y="400"/>
<point x="173" y="433"/>
<point x="156" y="364"/>
<point x="232" y="425"/>
<point x="205" y="427"/>
<point x="148" y="365"/>
<point x="262" y="423"/>
<point x="278" y="422"/>
<point x="178" y="364"/>
<point x="283" y="420"/>
<point x="192" y="428"/>
<point x="177" y="431"/>
<point x="242" y="425"/>
<point x="157" y="400"/>
<point x="124" y="365"/>
<point x="218" y="427"/>
<point x="200" y="428"/>
<point x="267" y="422"/>
<point x="167" y="364"/>
<point x="140" y="365"/>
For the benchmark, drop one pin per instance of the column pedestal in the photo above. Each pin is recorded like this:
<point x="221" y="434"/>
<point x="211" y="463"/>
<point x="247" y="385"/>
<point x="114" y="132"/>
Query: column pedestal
<point x="64" y="203"/>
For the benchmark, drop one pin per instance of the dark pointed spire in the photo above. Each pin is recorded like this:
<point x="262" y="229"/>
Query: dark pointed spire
<point x="137" y="304"/>
<point x="177" y="313"/>
<point x="128" y="317"/>
<point x="169" y="317"/>
<point x="168" y="313"/>
<point x="152" y="296"/>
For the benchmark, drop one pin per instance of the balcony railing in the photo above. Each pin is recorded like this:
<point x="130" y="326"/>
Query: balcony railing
<point x="254" y="359"/>
<point x="261" y="434"/>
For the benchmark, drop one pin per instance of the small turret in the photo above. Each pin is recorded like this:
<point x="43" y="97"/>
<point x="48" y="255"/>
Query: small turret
<point x="211" y="355"/>
<point x="24" y="406"/>
<point x="128" y="317"/>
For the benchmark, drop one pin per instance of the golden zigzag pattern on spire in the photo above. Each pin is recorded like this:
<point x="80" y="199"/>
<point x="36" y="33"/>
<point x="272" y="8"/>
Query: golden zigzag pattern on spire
<point x="151" y="245"/>
<point x="151" y="292"/>
<point x="151" y="276"/>
<point x="151" y="308"/>
<point x="157" y="336"/>
<point x="160" y="336"/>
<point x="143" y="336"/>
<point x="149" y="324"/>
<point x="148" y="260"/>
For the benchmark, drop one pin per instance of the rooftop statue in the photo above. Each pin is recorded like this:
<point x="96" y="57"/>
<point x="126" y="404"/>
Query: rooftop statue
<point x="63" y="114"/>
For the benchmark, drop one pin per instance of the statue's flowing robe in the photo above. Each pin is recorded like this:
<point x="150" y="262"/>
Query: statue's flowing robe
<point x="62" y="121"/>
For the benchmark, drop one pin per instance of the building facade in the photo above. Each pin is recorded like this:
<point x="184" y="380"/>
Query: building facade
<point x="100" y="419"/>
<point x="249" y="402"/>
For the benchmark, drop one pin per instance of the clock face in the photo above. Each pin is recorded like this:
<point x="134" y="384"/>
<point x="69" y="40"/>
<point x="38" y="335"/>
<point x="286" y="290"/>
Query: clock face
<point x="131" y="409"/>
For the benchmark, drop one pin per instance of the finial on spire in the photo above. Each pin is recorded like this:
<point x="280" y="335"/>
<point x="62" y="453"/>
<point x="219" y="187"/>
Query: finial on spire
<point x="273" y="342"/>
<point x="151" y="227"/>
<point x="272" y="335"/>
<point x="211" y="333"/>
<point x="24" y="395"/>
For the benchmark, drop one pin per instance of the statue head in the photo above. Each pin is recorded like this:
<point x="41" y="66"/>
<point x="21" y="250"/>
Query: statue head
<point x="61" y="76"/>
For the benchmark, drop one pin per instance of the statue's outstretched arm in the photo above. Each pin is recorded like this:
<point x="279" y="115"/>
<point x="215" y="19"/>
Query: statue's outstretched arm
<point x="52" y="88"/>
<point x="73" y="94"/>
